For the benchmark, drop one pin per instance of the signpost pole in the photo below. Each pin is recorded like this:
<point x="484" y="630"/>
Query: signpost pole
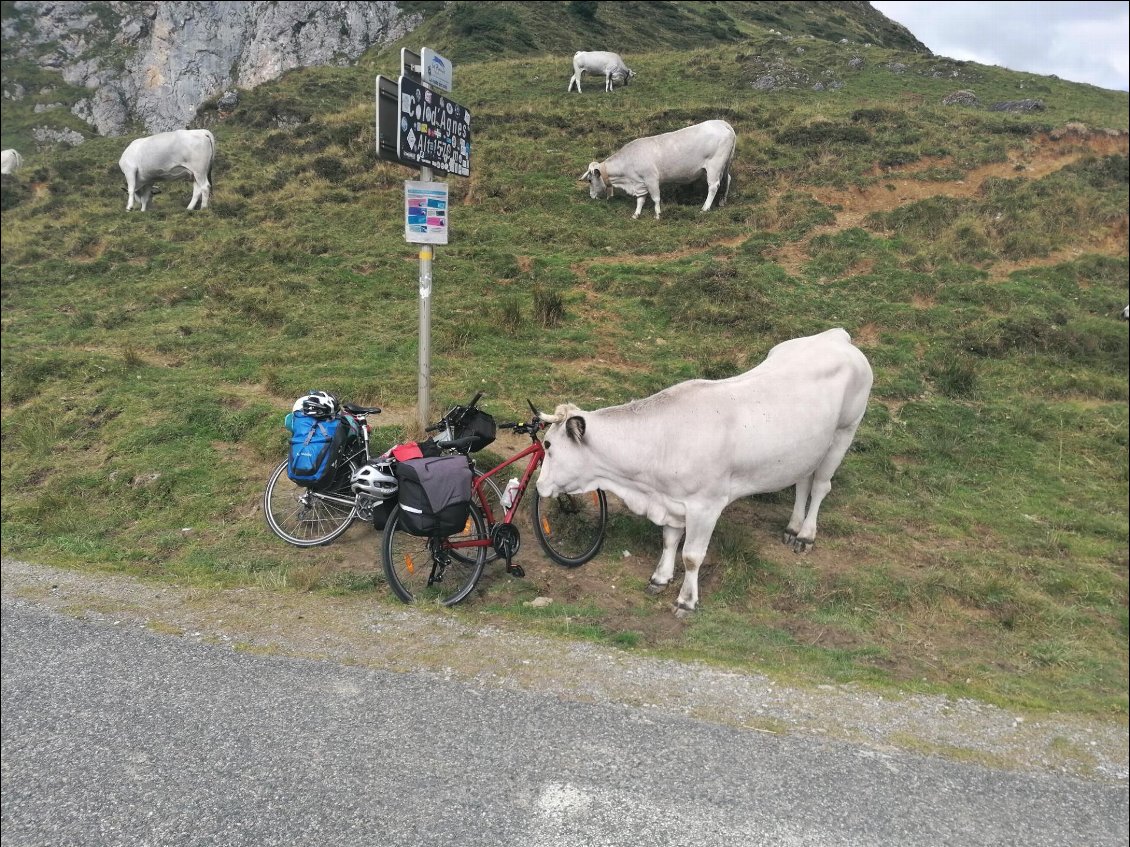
<point x="424" y="376"/>
<point x="418" y="127"/>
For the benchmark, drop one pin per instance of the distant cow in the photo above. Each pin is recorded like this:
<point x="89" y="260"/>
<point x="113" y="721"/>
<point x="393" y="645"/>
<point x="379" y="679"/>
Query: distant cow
<point x="601" y="63"/>
<point x="10" y="162"/>
<point x="681" y="456"/>
<point x="165" y="156"/>
<point x="641" y="166"/>
<point x="1125" y="313"/>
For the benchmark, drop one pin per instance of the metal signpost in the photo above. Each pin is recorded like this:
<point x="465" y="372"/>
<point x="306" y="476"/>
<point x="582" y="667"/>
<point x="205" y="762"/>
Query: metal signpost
<point x="418" y="127"/>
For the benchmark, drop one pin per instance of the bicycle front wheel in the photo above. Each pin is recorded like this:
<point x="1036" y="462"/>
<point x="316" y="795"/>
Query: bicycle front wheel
<point x="570" y="527"/>
<point x="307" y="518"/>
<point x="430" y="570"/>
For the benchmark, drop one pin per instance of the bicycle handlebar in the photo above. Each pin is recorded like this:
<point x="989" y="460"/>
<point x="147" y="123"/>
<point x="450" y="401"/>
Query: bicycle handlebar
<point x="453" y="419"/>
<point x="529" y="427"/>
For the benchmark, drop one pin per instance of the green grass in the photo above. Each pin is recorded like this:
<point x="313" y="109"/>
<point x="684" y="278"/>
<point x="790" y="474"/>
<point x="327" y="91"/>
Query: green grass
<point x="975" y="542"/>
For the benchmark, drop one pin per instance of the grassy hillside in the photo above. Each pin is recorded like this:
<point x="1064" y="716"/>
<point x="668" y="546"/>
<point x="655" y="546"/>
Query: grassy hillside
<point x="476" y="31"/>
<point x="975" y="541"/>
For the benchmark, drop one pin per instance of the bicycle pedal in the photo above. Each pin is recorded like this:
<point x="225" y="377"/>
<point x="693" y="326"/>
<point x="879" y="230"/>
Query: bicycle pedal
<point x="516" y="570"/>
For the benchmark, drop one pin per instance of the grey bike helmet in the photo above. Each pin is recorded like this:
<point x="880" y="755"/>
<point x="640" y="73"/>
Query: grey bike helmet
<point x="376" y="480"/>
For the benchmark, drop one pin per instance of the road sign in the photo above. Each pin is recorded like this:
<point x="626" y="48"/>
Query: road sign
<point x="388" y="119"/>
<point x="433" y="131"/>
<point x="410" y="62"/>
<point x="435" y="70"/>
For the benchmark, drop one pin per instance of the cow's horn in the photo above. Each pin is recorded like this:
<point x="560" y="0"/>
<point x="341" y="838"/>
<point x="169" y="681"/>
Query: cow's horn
<point x="550" y="418"/>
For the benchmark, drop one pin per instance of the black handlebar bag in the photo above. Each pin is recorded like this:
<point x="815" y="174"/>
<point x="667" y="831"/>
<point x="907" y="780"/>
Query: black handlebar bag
<point x="435" y="495"/>
<point x="476" y="424"/>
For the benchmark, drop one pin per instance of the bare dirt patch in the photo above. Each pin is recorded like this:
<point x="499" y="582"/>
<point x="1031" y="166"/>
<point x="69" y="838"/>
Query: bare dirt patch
<point x="895" y="189"/>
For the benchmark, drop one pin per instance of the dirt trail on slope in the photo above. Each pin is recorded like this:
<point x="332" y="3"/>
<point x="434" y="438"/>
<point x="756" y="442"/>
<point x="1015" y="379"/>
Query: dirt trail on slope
<point x="894" y="188"/>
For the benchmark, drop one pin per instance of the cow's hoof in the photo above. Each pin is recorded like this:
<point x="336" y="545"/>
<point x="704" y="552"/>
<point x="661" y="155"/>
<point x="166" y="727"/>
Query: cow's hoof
<point x="654" y="587"/>
<point x="801" y="545"/>
<point x="683" y="611"/>
<point x="788" y="538"/>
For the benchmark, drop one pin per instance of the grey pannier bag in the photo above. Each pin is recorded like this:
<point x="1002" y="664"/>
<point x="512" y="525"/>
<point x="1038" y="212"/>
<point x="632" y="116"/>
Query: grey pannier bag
<point x="435" y="495"/>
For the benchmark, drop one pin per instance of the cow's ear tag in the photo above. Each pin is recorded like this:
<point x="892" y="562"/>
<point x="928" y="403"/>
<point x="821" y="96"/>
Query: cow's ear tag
<point x="575" y="427"/>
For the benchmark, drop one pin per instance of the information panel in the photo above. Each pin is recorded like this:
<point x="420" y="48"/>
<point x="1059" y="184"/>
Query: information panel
<point x="425" y="212"/>
<point x="434" y="132"/>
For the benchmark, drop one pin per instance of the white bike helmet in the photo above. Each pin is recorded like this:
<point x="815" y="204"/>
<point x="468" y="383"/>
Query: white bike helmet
<point x="376" y="480"/>
<point x="318" y="404"/>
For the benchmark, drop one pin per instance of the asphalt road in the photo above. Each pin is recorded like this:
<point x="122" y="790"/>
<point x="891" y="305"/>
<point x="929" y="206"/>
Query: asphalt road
<point x="116" y="735"/>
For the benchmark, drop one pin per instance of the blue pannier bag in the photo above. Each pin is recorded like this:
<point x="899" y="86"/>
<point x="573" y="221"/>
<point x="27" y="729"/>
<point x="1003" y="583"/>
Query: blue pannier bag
<point x="316" y="449"/>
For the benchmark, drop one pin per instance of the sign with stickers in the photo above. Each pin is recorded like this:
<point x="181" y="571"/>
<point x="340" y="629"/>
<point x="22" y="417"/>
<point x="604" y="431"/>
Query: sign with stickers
<point x="434" y="132"/>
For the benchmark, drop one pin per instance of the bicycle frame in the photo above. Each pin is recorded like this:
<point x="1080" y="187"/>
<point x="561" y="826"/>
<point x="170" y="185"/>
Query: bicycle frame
<point x="536" y="452"/>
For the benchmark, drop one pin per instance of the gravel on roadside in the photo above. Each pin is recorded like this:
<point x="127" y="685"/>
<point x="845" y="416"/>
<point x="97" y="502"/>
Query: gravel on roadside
<point x="358" y="632"/>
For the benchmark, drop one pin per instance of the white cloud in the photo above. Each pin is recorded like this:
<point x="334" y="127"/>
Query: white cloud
<point x="1076" y="41"/>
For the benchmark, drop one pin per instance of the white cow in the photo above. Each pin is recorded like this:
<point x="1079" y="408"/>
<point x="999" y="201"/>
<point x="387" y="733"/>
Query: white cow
<point x="165" y="156"/>
<point x="641" y="166"/>
<point x="1125" y="313"/>
<point x="601" y="63"/>
<point x="681" y="456"/>
<point x="10" y="162"/>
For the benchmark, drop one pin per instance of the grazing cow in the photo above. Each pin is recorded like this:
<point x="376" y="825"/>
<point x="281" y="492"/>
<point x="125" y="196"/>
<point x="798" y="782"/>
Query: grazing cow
<point x="681" y="456"/>
<point x="602" y="63"/>
<point x="165" y="156"/>
<point x="641" y="166"/>
<point x="10" y="162"/>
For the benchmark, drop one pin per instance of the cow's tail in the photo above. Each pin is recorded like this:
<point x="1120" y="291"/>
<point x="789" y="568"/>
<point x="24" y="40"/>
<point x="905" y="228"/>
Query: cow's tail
<point x="211" y="159"/>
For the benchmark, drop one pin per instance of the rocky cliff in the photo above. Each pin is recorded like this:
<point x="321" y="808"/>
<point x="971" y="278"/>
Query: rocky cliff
<point x="156" y="62"/>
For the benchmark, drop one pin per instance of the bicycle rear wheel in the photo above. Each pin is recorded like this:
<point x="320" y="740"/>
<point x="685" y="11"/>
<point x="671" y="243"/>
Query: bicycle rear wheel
<point x="570" y="527"/>
<point x="423" y="570"/>
<point x="307" y="518"/>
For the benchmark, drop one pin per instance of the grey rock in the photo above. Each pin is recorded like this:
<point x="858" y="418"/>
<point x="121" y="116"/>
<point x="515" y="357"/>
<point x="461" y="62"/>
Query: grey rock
<point x="228" y="101"/>
<point x="49" y="135"/>
<point x="765" y="83"/>
<point x="156" y="62"/>
<point x="960" y="98"/>
<point x="1018" y="106"/>
<point x="897" y="67"/>
<point x="855" y="63"/>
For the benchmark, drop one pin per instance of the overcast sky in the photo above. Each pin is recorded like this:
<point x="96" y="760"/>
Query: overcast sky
<point x="1080" y="41"/>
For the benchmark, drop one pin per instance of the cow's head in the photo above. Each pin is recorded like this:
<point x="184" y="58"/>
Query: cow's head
<point x="595" y="178"/>
<point x="626" y="77"/>
<point x="565" y="468"/>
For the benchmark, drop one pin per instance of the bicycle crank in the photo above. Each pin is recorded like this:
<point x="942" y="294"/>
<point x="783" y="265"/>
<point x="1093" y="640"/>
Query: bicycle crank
<point x="506" y="540"/>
